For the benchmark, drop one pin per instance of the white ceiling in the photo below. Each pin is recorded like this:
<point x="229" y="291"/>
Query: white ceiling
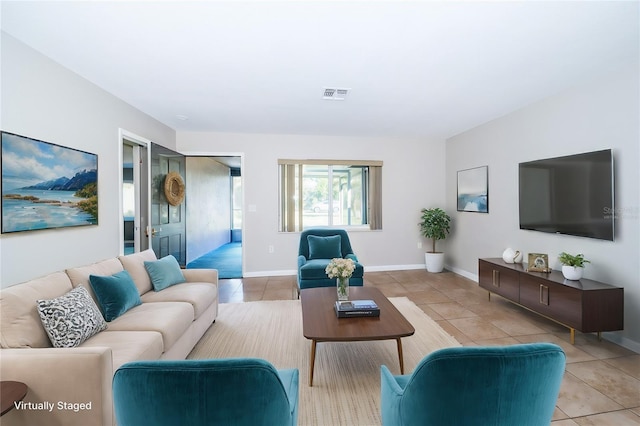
<point x="415" y="68"/>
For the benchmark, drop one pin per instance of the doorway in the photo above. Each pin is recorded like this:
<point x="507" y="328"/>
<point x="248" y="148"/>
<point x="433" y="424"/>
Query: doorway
<point x="214" y="227"/>
<point x="134" y="184"/>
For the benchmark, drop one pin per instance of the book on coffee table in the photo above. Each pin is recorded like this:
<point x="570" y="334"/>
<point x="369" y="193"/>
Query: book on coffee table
<point x="357" y="308"/>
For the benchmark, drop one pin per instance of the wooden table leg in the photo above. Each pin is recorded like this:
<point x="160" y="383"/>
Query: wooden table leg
<point x="312" y="361"/>
<point x="400" y="355"/>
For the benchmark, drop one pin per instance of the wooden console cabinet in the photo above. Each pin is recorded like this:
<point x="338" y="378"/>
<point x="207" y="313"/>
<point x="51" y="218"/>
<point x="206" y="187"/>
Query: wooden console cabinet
<point x="586" y="305"/>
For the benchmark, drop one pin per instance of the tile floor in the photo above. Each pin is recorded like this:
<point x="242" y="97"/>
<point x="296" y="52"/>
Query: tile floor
<point x="601" y="386"/>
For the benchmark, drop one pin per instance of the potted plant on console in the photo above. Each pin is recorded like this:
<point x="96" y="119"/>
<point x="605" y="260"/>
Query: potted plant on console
<point x="572" y="266"/>
<point x="434" y="225"/>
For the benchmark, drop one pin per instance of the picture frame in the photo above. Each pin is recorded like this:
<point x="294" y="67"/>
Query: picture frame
<point x="45" y="185"/>
<point x="473" y="190"/>
<point x="538" y="262"/>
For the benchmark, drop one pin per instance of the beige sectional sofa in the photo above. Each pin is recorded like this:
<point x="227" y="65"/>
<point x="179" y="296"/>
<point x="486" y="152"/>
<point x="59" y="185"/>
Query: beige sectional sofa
<point x="72" y="386"/>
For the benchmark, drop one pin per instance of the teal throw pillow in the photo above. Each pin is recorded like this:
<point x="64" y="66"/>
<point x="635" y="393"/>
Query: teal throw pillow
<point x="116" y="294"/>
<point x="324" y="247"/>
<point x="164" y="272"/>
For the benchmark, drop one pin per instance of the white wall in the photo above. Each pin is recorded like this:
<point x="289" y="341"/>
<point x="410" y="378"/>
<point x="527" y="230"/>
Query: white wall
<point x="43" y="100"/>
<point x="603" y="114"/>
<point x="413" y="177"/>
<point x="208" y="198"/>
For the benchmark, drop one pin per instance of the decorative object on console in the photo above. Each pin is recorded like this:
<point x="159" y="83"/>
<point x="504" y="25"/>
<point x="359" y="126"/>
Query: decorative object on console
<point x="572" y="266"/>
<point x="61" y="189"/>
<point x="512" y="256"/>
<point x="341" y="269"/>
<point x="538" y="262"/>
<point x="174" y="188"/>
<point x="435" y="225"/>
<point x="473" y="190"/>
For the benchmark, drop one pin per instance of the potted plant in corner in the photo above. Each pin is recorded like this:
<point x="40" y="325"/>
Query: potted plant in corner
<point x="572" y="266"/>
<point x="434" y="225"/>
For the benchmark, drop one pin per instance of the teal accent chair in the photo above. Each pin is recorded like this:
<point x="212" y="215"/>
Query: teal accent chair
<point x="238" y="391"/>
<point x="488" y="386"/>
<point x="317" y="247"/>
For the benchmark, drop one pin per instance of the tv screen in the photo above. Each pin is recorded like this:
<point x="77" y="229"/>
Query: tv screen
<point x="569" y="195"/>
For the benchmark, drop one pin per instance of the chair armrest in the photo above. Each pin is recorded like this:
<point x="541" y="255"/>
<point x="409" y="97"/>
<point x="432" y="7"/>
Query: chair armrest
<point x="61" y="376"/>
<point x="201" y="275"/>
<point x="352" y="257"/>
<point x="291" y="382"/>
<point x="301" y="261"/>
<point x="390" y="397"/>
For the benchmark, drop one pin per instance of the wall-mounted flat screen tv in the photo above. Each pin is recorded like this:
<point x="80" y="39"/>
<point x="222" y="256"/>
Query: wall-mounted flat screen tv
<point x="570" y="195"/>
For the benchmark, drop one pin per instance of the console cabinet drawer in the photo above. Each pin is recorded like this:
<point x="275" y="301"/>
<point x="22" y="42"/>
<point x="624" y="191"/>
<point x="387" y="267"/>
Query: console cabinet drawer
<point x="562" y="303"/>
<point x="499" y="280"/>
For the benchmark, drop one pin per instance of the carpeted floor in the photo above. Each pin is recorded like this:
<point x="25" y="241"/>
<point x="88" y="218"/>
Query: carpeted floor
<point x="227" y="259"/>
<point x="346" y="385"/>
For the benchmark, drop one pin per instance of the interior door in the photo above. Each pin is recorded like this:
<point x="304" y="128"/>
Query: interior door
<point x="168" y="230"/>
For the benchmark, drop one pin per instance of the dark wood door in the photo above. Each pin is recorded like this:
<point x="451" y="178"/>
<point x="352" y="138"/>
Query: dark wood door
<point x="168" y="230"/>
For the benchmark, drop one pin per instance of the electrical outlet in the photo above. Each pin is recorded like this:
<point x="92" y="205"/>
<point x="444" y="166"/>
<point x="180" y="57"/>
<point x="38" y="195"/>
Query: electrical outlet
<point x="419" y="244"/>
<point x="271" y="249"/>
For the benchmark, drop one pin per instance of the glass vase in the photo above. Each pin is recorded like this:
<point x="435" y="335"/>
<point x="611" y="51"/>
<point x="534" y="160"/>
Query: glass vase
<point x="343" y="288"/>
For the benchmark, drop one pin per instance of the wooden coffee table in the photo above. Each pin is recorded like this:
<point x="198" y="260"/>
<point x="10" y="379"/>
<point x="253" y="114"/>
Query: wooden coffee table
<point x="320" y="323"/>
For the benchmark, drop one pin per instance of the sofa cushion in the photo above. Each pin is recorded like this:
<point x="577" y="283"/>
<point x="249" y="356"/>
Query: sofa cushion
<point x="199" y="295"/>
<point x="134" y="264"/>
<point x="164" y="272"/>
<point x="324" y="247"/>
<point x="314" y="269"/>
<point x="127" y="346"/>
<point x="116" y="294"/>
<point x="170" y="319"/>
<point x="71" y="318"/>
<point x="20" y="323"/>
<point x="80" y="275"/>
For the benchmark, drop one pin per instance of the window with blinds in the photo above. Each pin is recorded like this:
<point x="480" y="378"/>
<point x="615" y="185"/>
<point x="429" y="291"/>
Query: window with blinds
<point x="320" y="193"/>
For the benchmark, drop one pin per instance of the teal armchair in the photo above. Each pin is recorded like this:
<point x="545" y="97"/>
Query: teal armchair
<point x="317" y="248"/>
<point x="489" y="386"/>
<point x="242" y="391"/>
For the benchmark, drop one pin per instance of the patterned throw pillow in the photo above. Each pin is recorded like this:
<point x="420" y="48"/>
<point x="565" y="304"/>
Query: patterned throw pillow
<point x="71" y="318"/>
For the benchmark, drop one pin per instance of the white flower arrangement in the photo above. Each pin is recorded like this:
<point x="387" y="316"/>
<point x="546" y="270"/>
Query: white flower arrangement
<point x="340" y="268"/>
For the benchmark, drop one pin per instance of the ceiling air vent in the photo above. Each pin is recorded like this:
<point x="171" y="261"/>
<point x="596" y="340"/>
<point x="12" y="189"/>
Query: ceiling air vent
<point x="335" y="94"/>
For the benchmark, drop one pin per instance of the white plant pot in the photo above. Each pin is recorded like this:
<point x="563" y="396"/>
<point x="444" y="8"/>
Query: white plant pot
<point x="434" y="261"/>
<point x="573" y="273"/>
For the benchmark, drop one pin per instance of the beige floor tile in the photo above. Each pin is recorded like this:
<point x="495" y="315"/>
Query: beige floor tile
<point x="516" y="328"/>
<point x="573" y="353"/>
<point x="429" y="296"/>
<point x="578" y="399"/>
<point x="477" y="328"/>
<point x="452" y="310"/>
<point x="628" y="364"/>
<point x="608" y="380"/>
<point x="504" y="341"/>
<point x="616" y="418"/>
<point x="566" y="422"/>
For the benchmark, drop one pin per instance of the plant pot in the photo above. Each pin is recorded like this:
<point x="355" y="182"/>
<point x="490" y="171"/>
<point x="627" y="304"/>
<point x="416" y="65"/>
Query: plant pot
<point x="434" y="261"/>
<point x="573" y="273"/>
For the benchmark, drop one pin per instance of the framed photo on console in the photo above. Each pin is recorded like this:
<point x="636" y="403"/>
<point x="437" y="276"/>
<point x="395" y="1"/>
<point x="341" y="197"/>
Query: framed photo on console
<point x="538" y="262"/>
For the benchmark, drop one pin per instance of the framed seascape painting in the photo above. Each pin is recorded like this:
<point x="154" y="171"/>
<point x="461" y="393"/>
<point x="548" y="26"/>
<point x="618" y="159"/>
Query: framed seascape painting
<point x="473" y="190"/>
<point x="46" y="186"/>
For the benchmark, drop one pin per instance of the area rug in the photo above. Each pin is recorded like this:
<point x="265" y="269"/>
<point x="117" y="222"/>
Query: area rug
<point x="227" y="259"/>
<point x="346" y="383"/>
